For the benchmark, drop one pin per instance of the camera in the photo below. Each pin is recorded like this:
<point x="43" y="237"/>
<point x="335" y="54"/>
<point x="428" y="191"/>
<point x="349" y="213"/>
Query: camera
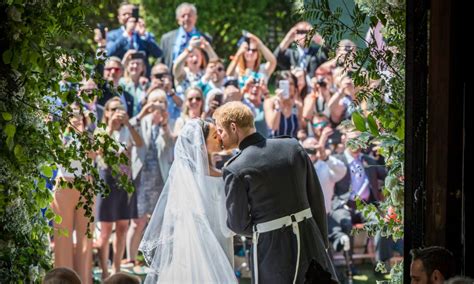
<point x="321" y="82"/>
<point x="135" y="13"/>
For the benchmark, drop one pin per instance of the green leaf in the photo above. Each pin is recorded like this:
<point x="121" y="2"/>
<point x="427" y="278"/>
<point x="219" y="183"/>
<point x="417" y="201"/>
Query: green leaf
<point x="18" y="152"/>
<point x="57" y="219"/>
<point x="10" y="130"/>
<point x="372" y="125"/>
<point x="49" y="214"/>
<point x="7" y="116"/>
<point x="47" y="171"/>
<point x="7" y="56"/>
<point x="359" y="121"/>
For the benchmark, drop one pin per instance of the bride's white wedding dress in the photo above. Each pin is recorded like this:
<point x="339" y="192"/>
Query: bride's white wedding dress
<point x="187" y="240"/>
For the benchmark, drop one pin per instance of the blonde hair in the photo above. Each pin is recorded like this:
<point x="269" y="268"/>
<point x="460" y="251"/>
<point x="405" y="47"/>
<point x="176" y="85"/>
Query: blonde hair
<point x="242" y="63"/>
<point x="185" y="112"/>
<point x="235" y="112"/>
<point x="158" y="94"/>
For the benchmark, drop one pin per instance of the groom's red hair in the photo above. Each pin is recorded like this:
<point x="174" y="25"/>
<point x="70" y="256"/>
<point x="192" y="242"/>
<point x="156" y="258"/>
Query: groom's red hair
<point x="235" y="112"/>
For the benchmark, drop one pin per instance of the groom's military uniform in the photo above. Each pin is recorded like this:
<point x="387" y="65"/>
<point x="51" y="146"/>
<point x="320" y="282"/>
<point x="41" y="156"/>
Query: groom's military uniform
<point x="274" y="195"/>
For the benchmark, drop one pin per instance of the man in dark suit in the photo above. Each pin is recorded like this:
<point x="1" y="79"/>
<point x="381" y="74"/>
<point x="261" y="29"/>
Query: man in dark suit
<point x="363" y="180"/>
<point x="131" y="35"/>
<point x="113" y="71"/>
<point x="174" y="42"/>
<point x="308" y="58"/>
<point x="274" y="195"/>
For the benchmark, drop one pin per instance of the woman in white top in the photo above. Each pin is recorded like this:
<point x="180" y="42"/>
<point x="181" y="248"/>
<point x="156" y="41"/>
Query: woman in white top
<point x="64" y="204"/>
<point x="191" y="64"/>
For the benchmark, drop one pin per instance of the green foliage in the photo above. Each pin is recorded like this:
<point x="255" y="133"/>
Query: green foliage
<point x="35" y="58"/>
<point x="224" y="20"/>
<point x="380" y="75"/>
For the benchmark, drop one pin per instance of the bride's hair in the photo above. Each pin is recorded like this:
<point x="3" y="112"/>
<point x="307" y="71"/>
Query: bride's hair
<point x="205" y="126"/>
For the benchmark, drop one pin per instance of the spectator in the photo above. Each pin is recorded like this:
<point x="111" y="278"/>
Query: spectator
<point x="329" y="169"/>
<point x="319" y="122"/>
<point x="345" y="56"/>
<point x="150" y="166"/>
<point x="308" y="58"/>
<point x="231" y="90"/>
<point x="431" y="265"/>
<point x="254" y="93"/>
<point x="214" y="100"/>
<point x="214" y="77"/>
<point x="174" y="42"/>
<point x="362" y="179"/>
<point x="132" y="35"/>
<point x="302" y="85"/>
<point x="161" y="79"/>
<point x="322" y="89"/>
<point x="117" y="207"/>
<point x="60" y="275"/>
<point x="246" y="62"/>
<point x="193" y="108"/>
<point x="282" y="112"/>
<point x="341" y="103"/>
<point x="113" y="71"/>
<point x="190" y="65"/>
<point x="65" y="200"/>
<point x="133" y="80"/>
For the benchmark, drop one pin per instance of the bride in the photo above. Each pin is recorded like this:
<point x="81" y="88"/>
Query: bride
<point x="187" y="239"/>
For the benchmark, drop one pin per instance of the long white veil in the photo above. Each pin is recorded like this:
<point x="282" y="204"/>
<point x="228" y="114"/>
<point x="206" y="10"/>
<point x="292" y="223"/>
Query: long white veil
<point x="179" y="245"/>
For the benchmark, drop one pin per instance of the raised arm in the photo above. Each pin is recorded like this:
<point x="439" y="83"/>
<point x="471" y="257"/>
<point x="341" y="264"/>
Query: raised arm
<point x="272" y="111"/>
<point x="231" y="69"/>
<point x="267" y="53"/>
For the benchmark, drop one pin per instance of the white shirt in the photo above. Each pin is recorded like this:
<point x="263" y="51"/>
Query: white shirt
<point x="329" y="172"/>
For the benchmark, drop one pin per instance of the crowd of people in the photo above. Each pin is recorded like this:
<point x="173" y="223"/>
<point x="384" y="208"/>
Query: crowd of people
<point x="296" y="91"/>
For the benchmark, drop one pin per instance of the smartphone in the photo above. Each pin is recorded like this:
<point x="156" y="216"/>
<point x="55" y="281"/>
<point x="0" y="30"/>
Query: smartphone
<point x="284" y="85"/>
<point x="218" y="97"/>
<point x="136" y="13"/>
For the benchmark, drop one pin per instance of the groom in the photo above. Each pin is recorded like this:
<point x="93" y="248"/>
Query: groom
<point x="274" y="195"/>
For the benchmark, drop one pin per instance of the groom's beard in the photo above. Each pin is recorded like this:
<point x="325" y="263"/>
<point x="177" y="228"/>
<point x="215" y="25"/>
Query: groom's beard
<point x="233" y="142"/>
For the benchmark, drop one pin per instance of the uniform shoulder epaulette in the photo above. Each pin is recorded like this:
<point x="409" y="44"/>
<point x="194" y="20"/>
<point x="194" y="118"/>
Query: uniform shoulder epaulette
<point x="232" y="159"/>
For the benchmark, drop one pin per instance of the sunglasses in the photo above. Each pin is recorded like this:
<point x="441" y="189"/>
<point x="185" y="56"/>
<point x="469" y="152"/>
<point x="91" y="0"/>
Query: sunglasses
<point x="116" y="108"/>
<point x="198" y="99"/>
<point x="301" y="32"/>
<point x="116" y="69"/>
<point x="320" y="124"/>
<point x="160" y="75"/>
<point x="252" y="49"/>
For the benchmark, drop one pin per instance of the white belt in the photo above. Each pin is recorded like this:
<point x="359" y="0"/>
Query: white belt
<point x="290" y="220"/>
